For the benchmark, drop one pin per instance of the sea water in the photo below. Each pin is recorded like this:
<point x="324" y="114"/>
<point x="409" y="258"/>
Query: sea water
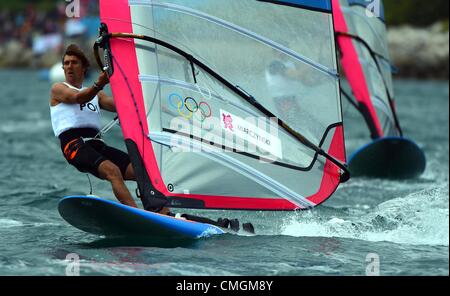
<point x="402" y="226"/>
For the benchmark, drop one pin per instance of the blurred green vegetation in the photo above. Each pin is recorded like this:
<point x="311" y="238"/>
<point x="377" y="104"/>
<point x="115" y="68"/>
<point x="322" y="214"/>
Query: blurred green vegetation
<point x="416" y="12"/>
<point x="16" y="5"/>
<point x="398" y="12"/>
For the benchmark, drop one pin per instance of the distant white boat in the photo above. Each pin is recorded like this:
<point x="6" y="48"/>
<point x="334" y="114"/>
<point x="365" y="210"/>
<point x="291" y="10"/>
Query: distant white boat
<point x="53" y="74"/>
<point x="56" y="73"/>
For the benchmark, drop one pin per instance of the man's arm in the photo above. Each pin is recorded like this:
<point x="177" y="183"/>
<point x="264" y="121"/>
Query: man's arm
<point x="63" y="94"/>
<point x="60" y="93"/>
<point x="106" y="102"/>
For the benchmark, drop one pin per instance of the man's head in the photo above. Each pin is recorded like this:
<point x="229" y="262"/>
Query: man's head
<point x="75" y="64"/>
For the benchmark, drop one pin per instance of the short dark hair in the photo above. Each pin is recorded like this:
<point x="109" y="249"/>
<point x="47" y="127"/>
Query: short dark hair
<point x="74" y="50"/>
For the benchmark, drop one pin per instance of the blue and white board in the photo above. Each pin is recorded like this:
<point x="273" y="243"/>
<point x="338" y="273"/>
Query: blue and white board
<point x="388" y="157"/>
<point x="112" y="219"/>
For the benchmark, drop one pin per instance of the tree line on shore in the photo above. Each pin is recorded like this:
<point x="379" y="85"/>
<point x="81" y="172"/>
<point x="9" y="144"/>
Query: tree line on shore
<point x="416" y="12"/>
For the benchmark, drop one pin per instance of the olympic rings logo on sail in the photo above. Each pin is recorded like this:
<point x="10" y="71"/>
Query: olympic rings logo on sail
<point x="189" y="107"/>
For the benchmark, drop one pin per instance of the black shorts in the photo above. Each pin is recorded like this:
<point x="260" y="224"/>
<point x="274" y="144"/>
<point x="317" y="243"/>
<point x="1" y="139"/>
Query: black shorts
<point x="86" y="156"/>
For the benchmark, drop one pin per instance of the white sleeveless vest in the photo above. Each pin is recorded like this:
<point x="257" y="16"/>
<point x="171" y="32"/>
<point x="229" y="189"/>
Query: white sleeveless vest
<point x="68" y="116"/>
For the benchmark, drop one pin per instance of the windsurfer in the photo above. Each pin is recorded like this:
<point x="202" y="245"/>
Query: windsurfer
<point x="75" y="114"/>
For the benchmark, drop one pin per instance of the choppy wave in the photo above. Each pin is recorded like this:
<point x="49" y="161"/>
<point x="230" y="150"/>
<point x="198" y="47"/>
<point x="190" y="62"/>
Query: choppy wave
<point x="420" y="218"/>
<point x="25" y="127"/>
<point x="9" y="223"/>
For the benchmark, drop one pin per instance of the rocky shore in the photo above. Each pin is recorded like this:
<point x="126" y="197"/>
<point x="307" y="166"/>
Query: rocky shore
<point x="420" y="52"/>
<point x="416" y="52"/>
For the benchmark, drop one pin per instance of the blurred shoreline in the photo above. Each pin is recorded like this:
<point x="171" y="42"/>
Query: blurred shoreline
<point x="416" y="52"/>
<point x="420" y="52"/>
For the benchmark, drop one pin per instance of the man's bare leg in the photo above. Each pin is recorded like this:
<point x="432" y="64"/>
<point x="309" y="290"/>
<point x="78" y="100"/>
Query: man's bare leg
<point x="111" y="172"/>
<point x="129" y="174"/>
<point x="225" y="223"/>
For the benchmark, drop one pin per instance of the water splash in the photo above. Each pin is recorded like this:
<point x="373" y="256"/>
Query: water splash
<point x="420" y="218"/>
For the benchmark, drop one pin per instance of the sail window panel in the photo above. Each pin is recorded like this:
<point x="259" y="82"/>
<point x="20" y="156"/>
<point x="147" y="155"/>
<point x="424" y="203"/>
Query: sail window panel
<point x="371" y="29"/>
<point x="377" y="89"/>
<point x="386" y="72"/>
<point x="281" y="24"/>
<point x="235" y="42"/>
<point x="187" y="172"/>
<point x="196" y="111"/>
<point x="309" y="103"/>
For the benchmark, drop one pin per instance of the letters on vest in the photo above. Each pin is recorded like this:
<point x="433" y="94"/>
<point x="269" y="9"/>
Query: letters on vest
<point x="90" y="106"/>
